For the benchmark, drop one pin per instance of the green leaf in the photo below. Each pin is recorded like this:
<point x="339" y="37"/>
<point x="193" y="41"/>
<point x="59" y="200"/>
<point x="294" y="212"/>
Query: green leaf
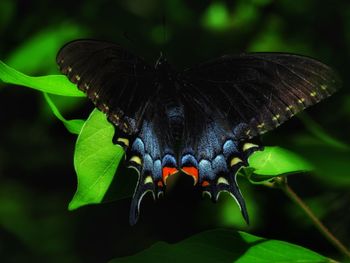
<point x="217" y="16"/>
<point x="315" y="129"/>
<point x="7" y="11"/>
<point x="38" y="51"/>
<point x="228" y="213"/>
<point x="275" y="161"/>
<point x="54" y="84"/>
<point x="223" y="245"/>
<point x="73" y="126"/>
<point x="331" y="163"/>
<point x="96" y="159"/>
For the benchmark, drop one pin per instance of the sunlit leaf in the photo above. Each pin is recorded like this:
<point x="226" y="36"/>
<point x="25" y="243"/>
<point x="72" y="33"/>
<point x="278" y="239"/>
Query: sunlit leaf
<point x="73" y="126"/>
<point x="96" y="159"/>
<point x="275" y="161"/>
<point x="225" y="246"/>
<point x="54" y="84"/>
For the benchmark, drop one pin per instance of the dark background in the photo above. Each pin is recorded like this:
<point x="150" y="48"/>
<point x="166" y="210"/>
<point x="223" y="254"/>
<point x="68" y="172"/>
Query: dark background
<point x="37" y="178"/>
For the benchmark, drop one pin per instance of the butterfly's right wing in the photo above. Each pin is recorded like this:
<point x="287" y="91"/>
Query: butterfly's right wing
<point x="232" y="99"/>
<point x="119" y="83"/>
<point x="260" y="90"/>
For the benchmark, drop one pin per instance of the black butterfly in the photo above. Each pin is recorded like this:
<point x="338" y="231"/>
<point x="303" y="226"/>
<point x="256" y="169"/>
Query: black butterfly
<point x="198" y="121"/>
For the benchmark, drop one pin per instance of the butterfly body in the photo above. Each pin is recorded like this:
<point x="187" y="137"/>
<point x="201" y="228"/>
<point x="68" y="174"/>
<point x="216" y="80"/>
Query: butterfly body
<point x="199" y="121"/>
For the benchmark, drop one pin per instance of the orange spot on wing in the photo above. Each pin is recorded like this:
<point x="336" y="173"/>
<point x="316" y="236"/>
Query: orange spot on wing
<point x="160" y="183"/>
<point x="205" y="183"/>
<point x="168" y="171"/>
<point x="191" y="171"/>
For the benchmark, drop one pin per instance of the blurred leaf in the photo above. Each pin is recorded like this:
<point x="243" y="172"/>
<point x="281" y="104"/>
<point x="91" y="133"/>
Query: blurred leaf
<point x="275" y="161"/>
<point x="225" y="246"/>
<point x="271" y="39"/>
<point x="216" y="16"/>
<point x="54" y="84"/>
<point x="39" y="52"/>
<point x="321" y="134"/>
<point x="320" y="205"/>
<point x="179" y="12"/>
<point x="36" y="223"/>
<point x="160" y="35"/>
<point x="7" y="8"/>
<point x="73" y="126"/>
<point x="245" y="14"/>
<point x="299" y="9"/>
<point x="96" y="160"/>
<point x="261" y="2"/>
<point x="140" y="7"/>
<point x="331" y="164"/>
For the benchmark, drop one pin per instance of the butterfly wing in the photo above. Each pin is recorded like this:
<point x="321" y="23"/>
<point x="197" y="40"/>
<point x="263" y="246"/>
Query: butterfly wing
<point x="260" y="90"/>
<point x="118" y="82"/>
<point x="234" y="98"/>
<point x="124" y="87"/>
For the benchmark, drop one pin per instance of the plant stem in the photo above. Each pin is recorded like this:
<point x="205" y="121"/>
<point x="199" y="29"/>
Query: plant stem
<point x="281" y="182"/>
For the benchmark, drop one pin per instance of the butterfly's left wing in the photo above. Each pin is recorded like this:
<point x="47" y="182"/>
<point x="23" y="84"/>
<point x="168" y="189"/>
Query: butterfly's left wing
<point x="118" y="82"/>
<point x="125" y="88"/>
<point x="235" y="98"/>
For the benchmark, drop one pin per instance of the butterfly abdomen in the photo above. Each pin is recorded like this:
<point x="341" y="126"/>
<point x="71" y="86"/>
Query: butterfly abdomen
<point x="175" y="116"/>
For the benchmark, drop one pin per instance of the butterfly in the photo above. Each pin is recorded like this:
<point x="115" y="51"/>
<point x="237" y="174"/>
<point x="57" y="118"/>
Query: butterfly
<point x="199" y="121"/>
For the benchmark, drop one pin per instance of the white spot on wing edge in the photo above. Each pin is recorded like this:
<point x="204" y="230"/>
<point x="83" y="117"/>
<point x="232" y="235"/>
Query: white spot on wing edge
<point x="235" y="160"/>
<point x="123" y="140"/>
<point x="148" y="180"/>
<point x="136" y="159"/>
<point x="206" y="193"/>
<point x="249" y="145"/>
<point x="222" y="180"/>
